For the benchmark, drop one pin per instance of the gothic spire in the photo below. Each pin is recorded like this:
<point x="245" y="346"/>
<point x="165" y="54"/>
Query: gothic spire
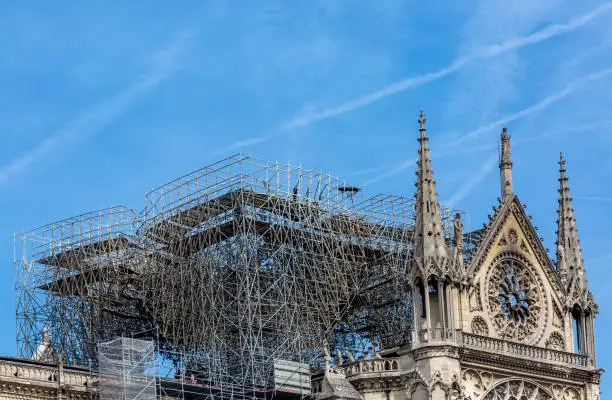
<point x="505" y="165"/>
<point x="570" y="265"/>
<point x="428" y="226"/>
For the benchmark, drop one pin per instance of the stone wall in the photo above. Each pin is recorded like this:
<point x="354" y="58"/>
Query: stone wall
<point x="26" y="379"/>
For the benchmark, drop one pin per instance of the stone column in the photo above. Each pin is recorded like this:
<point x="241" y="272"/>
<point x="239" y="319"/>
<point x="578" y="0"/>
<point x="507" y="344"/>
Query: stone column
<point x="451" y="306"/>
<point x="427" y="309"/>
<point x="416" y="310"/>
<point x="584" y="345"/>
<point x="591" y="327"/>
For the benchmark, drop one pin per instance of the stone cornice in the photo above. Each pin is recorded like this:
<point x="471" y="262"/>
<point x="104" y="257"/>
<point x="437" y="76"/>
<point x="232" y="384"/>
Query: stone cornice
<point x="384" y="381"/>
<point x="439" y="350"/>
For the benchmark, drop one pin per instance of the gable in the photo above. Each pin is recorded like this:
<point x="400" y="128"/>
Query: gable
<point x="511" y="230"/>
<point x="512" y="279"/>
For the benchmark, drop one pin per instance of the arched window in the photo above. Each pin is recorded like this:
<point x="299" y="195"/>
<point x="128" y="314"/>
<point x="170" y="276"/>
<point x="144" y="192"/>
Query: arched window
<point x="577" y="333"/>
<point x="435" y="300"/>
<point x="421" y="299"/>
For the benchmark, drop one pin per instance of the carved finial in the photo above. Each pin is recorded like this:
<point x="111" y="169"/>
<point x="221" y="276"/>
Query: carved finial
<point x="422" y="121"/>
<point x="505" y="165"/>
<point x="504" y="135"/>
<point x="561" y="162"/>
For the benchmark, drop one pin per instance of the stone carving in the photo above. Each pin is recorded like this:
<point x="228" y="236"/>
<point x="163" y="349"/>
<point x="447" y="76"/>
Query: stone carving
<point x="512" y="236"/>
<point x="524" y="247"/>
<point x="479" y="326"/>
<point x="474" y="383"/>
<point x="556" y="342"/>
<point x="419" y="392"/>
<point x="44" y="352"/>
<point x="474" y="298"/>
<point x="503" y="241"/>
<point x="562" y="392"/>
<point x="515" y="300"/>
<point x="458" y="239"/>
<point x="518" y="389"/>
<point x="557" y="317"/>
<point x="478" y="384"/>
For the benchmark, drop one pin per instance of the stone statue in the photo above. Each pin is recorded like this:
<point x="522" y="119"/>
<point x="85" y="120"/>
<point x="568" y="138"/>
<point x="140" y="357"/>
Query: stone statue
<point x="458" y="235"/>
<point x="505" y="156"/>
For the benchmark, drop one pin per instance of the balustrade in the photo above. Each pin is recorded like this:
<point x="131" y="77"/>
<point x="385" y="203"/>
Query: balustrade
<point x="372" y="365"/>
<point x="436" y="335"/>
<point x="524" y="350"/>
<point x="11" y="369"/>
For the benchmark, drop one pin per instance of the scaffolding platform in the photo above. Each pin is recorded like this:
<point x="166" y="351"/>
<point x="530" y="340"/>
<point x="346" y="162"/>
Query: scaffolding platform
<point x="237" y="272"/>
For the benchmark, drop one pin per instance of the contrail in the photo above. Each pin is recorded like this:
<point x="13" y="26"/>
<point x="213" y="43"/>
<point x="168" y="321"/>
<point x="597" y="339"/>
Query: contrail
<point x="374" y="169"/>
<point x="239" y="144"/>
<point x="491" y="51"/>
<point x="462" y="192"/>
<point x="465" y="189"/>
<point x="548" y="101"/>
<point x="598" y="260"/>
<point x="395" y="170"/>
<point x="604" y="199"/>
<point x="578" y="128"/>
<point x="102" y="114"/>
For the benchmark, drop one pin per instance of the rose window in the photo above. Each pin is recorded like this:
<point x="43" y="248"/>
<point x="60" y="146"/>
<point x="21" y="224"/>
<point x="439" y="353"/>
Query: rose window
<point x="515" y="300"/>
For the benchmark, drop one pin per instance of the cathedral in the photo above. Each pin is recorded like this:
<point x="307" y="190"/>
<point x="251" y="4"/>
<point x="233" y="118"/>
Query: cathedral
<point x="501" y="321"/>
<point x="508" y="323"/>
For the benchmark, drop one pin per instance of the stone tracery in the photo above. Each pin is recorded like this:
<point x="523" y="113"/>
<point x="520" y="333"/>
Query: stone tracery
<point x="479" y="326"/>
<point x="515" y="299"/>
<point x="556" y="342"/>
<point x="517" y="390"/>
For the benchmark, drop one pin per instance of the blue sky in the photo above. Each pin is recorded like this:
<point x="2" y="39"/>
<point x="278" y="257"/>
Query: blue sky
<point x="100" y="103"/>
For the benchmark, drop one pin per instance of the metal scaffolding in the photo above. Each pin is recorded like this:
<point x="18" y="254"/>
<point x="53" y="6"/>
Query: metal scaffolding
<point x="75" y="278"/>
<point x="127" y="369"/>
<point x="232" y="270"/>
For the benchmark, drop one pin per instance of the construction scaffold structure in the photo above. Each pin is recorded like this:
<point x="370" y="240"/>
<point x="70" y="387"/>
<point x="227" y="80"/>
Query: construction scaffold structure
<point x="240" y="273"/>
<point x="126" y="369"/>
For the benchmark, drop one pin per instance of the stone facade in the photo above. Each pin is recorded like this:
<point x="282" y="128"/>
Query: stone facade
<point x="502" y="322"/>
<point x="27" y="379"/>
